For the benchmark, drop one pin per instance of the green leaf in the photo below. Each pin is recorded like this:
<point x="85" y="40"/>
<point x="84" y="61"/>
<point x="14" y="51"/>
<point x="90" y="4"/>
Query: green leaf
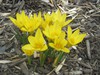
<point x="58" y="59"/>
<point x="42" y="58"/>
<point x="22" y="37"/>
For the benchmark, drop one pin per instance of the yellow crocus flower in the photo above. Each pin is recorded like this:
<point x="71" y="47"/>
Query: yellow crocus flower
<point x="37" y="20"/>
<point x="28" y="49"/>
<point x="60" y="44"/>
<point x="37" y="43"/>
<point x="47" y="20"/>
<point x="25" y="23"/>
<point x="55" y="18"/>
<point x="52" y="31"/>
<point x="75" y="37"/>
<point x="19" y="19"/>
<point x="60" y="19"/>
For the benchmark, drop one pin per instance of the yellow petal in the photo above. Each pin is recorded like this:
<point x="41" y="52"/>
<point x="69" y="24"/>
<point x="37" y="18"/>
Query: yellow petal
<point x="18" y="16"/>
<point x="15" y="22"/>
<point x="64" y="17"/>
<point x="44" y="48"/>
<point x="68" y="21"/>
<point x="80" y="38"/>
<point x="26" y="22"/>
<point x="23" y="29"/>
<point x="58" y="13"/>
<point x="75" y="33"/>
<point x="66" y="50"/>
<point x="52" y="45"/>
<point x="72" y="40"/>
<point x="54" y="31"/>
<point x="35" y="16"/>
<point x="23" y="13"/>
<point x="61" y="41"/>
<point x="28" y="49"/>
<point x="31" y="40"/>
<point x="38" y="34"/>
<point x="69" y="32"/>
<point x="39" y="15"/>
<point x="62" y="35"/>
<point x="46" y="31"/>
<point x="64" y="42"/>
<point x="38" y="41"/>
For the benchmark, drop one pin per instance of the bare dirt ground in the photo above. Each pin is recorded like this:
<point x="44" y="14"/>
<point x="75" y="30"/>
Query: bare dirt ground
<point x="85" y="60"/>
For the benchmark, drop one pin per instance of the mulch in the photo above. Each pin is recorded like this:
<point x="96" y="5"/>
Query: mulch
<point x="83" y="60"/>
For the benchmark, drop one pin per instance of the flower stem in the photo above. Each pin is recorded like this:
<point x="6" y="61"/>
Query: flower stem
<point x="58" y="59"/>
<point x="42" y="58"/>
<point x="29" y="60"/>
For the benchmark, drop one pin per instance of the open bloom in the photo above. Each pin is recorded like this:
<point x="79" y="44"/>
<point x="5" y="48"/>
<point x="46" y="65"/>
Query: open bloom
<point x="28" y="49"/>
<point x="52" y="31"/>
<point x="25" y="23"/>
<point x="75" y="37"/>
<point x="37" y="43"/>
<point x="47" y="20"/>
<point x="60" y="19"/>
<point x="55" y="18"/>
<point x="60" y="44"/>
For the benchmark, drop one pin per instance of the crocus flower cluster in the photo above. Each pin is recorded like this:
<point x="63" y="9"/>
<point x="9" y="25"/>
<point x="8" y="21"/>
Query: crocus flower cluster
<point x="46" y="31"/>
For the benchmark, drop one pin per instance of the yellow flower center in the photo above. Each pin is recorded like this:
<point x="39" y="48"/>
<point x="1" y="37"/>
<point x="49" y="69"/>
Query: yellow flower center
<point x="39" y="45"/>
<point x="58" y="45"/>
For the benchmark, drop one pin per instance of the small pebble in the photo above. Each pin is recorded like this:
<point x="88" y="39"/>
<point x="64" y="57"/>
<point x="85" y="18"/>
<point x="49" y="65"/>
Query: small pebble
<point x="79" y="59"/>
